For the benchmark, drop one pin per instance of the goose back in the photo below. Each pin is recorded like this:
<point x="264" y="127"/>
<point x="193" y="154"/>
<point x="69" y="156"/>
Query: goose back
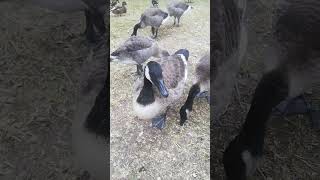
<point x="203" y="72"/>
<point x="203" y="68"/>
<point x="152" y="17"/>
<point x="174" y="71"/>
<point x="137" y="49"/>
<point x="177" y="8"/>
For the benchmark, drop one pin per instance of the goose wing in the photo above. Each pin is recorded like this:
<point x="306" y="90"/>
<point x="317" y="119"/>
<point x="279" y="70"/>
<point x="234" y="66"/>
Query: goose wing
<point x="181" y="5"/>
<point x="203" y="67"/>
<point x="154" y="14"/>
<point x="173" y="70"/>
<point x="136" y="43"/>
<point x="176" y="8"/>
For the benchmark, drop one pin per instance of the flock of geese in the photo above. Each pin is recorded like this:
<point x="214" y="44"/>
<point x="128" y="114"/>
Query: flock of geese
<point x="162" y="80"/>
<point x="294" y="57"/>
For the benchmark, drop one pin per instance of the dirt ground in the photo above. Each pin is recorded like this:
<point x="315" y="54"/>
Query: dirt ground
<point x="40" y="57"/>
<point x="138" y="151"/>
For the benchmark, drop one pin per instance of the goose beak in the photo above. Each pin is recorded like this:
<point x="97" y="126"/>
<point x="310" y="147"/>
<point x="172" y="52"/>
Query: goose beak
<point x="114" y="56"/>
<point x="162" y="88"/>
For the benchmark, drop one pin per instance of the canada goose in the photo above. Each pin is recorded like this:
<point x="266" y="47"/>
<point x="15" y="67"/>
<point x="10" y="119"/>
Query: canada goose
<point x="201" y="86"/>
<point x="120" y="10"/>
<point x="155" y="3"/>
<point x="94" y="12"/>
<point x="295" y="57"/>
<point x="90" y="127"/>
<point x="162" y="85"/>
<point x="136" y="50"/>
<point x="229" y="47"/>
<point x="177" y="9"/>
<point x="114" y="3"/>
<point x="153" y="17"/>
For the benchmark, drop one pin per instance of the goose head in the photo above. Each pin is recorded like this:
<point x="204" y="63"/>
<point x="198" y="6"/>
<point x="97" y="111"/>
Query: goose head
<point x="183" y="52"/>
<point x="124" y="3"/>
<point x="234" y="166"/>
<point x="122" y="55"/>
<point x="155" y="3"/>
<point x="153" y="73"/>
<point x="188" y="9"/>
<point x="240" y="159"/>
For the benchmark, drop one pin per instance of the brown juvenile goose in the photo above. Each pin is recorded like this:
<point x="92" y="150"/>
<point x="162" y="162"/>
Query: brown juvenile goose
<point x="201" y="87"/>
<point x="136" y="50"/>
<point x="160" y="87"/>
<point x="177" y="9"/>
<point x="153" y="17"/>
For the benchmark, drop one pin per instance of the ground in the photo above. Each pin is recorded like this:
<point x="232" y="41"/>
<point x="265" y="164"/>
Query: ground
<point x="138" y="151"/>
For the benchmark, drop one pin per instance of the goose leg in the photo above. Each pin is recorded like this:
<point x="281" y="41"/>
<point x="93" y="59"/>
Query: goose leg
<point x="159" y="121"/>
<point x="296" y="105"/>
<point x="174" y="21"/>
<point x="204" y="94"/>
<point x="135" y="29"/>
<point x="152" y="31"/>
<point x="187" y="107"/>
<point x="178" y="21"/>
<point x="156" y="33"/>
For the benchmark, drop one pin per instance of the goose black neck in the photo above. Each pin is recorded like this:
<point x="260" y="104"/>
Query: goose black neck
<point x="146" y="95"/>
<point x="135" y="29"/>
<point x="271" y="90"/>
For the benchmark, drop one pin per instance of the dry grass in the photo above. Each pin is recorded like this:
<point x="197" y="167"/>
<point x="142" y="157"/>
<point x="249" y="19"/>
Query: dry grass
<point x="138" y="151"/>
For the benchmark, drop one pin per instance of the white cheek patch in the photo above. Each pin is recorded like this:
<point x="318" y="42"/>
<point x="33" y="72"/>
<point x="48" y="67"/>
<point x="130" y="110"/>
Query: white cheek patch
<point x="146" y="73"/>
<point x="189" y="8"/>
<point x="188" y="113"/>
<point x="186" y="66"/>
<point x="165" y="20"/>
